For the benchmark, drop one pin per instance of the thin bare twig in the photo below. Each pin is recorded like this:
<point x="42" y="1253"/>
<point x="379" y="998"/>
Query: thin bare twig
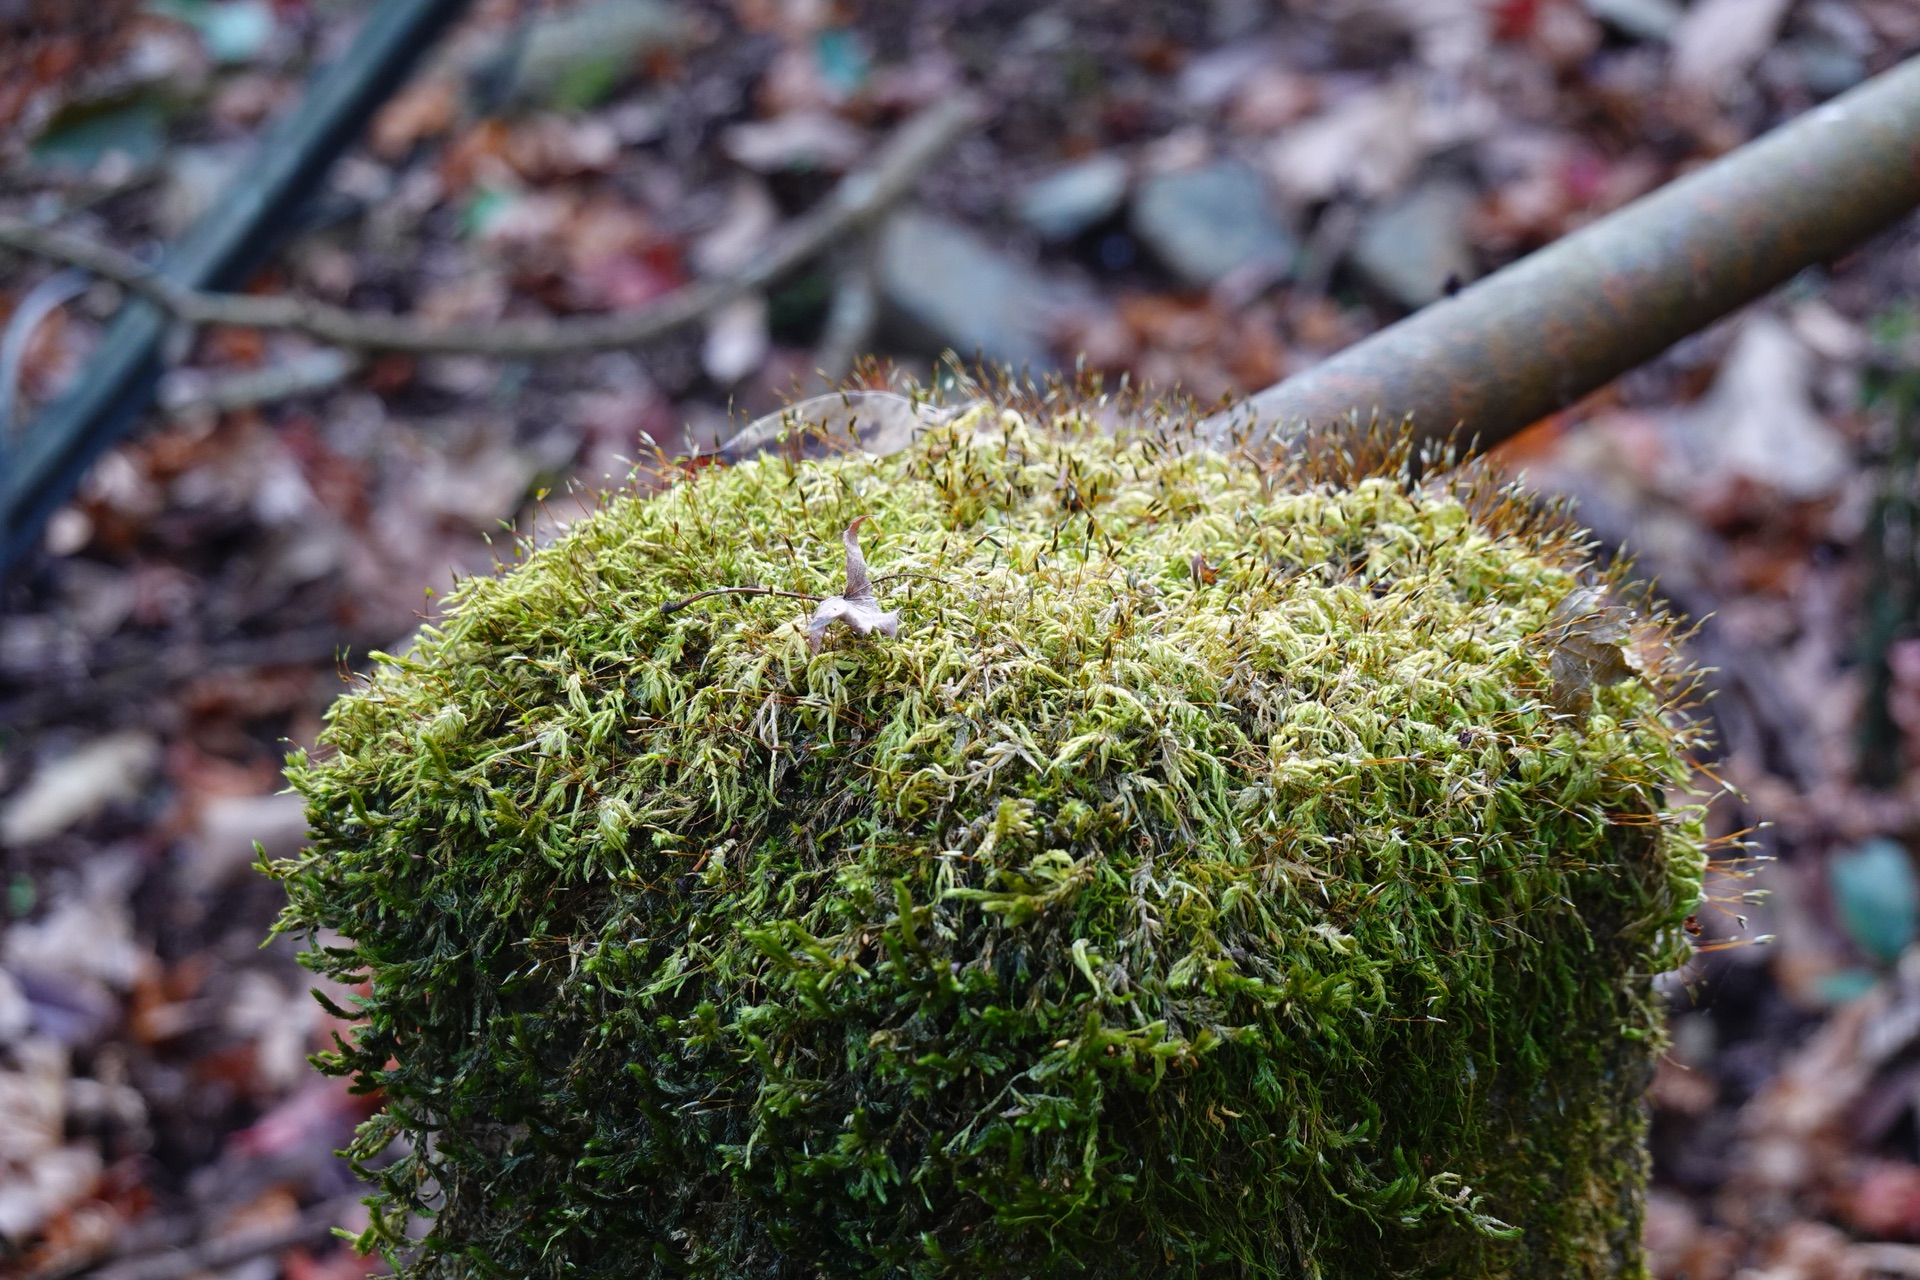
<point x="858" y="200"/>
<point x="187" y="391"/>
<point x="675" y="606"/>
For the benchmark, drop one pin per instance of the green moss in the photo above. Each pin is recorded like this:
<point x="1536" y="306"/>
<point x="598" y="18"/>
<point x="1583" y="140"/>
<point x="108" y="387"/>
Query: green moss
<point x="1202" y="883"/>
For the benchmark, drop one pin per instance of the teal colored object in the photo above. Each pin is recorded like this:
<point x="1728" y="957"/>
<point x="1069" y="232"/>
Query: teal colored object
<point x="236" y="32"/>
<point x="1876" y="897"/>
<point x="486" y="208"/>
<point x="1846" y="985"/>
<point x="232" y="32"/>
<point x="843" y="60"/>
<point x="21" y="895"/>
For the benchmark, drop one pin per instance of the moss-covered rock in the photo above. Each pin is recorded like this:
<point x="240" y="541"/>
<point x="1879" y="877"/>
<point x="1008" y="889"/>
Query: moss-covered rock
<point x="1203" y="882"/>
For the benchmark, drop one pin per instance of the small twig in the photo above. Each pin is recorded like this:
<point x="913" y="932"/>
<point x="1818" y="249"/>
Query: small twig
<point x="860" y="198"/>
<point x="675" y="606"/>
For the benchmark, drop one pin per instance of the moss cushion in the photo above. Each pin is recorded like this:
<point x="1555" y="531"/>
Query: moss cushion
<point x="1218" y="874"/>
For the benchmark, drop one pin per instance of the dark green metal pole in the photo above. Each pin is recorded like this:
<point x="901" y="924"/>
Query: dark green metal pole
<point x="1542" y="333"/>
<point x="118" y="381"/>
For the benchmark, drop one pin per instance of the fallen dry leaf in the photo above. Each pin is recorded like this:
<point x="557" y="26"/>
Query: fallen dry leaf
<point x="878" y="422"/>
<point x="1720" y="39"/>
<point x="1589" y="635"/>
<point x="856" y="606"/>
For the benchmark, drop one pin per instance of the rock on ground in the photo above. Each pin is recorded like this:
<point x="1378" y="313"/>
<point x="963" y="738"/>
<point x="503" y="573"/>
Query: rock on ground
<point x="1206" y="223"/>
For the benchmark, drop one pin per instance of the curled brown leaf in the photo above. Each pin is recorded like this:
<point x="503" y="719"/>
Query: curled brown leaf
<point x="1589" y="634"/>
<point x="856" y="606"/>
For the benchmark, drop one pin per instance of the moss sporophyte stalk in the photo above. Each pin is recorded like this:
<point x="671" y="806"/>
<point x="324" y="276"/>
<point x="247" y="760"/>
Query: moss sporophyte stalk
<point x="1223" y="870"/>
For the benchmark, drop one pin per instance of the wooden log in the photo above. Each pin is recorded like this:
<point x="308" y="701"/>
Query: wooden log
<point x="1538" y="335"/>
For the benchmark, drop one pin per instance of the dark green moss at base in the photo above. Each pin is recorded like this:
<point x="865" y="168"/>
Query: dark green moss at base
<point x="1201" y="884"/>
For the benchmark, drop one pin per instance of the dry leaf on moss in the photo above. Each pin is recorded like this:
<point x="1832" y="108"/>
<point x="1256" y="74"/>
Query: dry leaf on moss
<point x="877" y="422"/>
<point x="857" y="606"/>
<point x="1589" y="634"/>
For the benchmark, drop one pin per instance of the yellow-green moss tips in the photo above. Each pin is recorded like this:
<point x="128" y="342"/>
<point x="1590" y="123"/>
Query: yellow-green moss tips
<point x="1201" y="882"/>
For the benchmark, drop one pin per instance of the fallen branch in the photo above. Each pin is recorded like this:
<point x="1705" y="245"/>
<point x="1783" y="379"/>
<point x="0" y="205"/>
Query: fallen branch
<point x="859" y="199"/>
<point x="1540" y="334"/>
<point x="232" y="239"/>
<point x="187" y="391"/>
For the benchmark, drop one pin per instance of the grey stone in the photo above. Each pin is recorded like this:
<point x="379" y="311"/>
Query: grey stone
<point x="1410" y="249"/>
<point x="945" y="287"/>
<point x="1068" y="201"/>
<point x="1827" y="69"/>
<point x="1207" y="223"/>
<point x="1759" y="420"/>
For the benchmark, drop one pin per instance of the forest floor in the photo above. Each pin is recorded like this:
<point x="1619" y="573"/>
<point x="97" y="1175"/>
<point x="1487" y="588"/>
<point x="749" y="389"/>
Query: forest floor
<point x="1202" y="196"/>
